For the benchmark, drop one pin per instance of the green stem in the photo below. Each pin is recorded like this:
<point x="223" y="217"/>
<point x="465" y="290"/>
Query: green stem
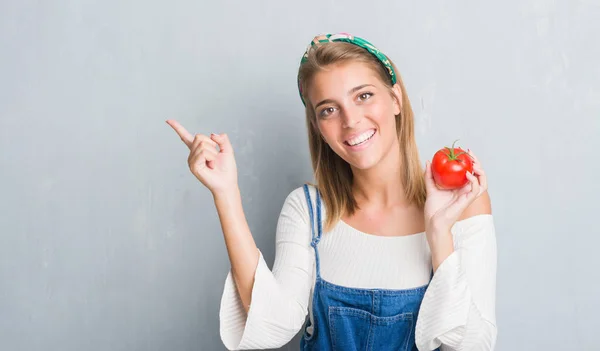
<point x="452" y="156"/>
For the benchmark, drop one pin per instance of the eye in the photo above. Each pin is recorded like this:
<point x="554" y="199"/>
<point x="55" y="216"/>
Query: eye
<point x="326" y="111"/>
<point x="365" y="96"/>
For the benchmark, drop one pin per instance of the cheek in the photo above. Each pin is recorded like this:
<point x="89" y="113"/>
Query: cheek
<point x="327" y="130"/>
<point x="383" y="115"/>
<point x="386" y="120"/>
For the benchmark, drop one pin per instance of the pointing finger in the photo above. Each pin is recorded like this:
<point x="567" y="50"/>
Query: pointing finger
<point x="185" y="136"/>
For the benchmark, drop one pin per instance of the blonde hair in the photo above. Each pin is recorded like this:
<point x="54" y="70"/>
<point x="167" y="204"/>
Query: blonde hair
<point x="333" y="175"/>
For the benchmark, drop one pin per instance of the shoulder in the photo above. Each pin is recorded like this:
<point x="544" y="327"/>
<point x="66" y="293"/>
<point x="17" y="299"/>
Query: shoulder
<point x="294" y="223"/>
<point x="302" y="194"/>
<point x="477" y="218"/>
<point x="296" y="203"/>
<point x="481" y="206"/>
<point x="302" y="202"/>
<point x="299" y="195"/>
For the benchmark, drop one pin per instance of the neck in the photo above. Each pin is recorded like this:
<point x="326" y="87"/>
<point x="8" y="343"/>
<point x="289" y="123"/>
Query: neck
<point x="381" y="185"/>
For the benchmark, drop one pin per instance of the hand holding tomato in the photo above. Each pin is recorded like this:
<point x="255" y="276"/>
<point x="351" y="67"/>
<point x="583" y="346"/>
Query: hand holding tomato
<point x="450" y="166"/>
<point x="453" y="179"/>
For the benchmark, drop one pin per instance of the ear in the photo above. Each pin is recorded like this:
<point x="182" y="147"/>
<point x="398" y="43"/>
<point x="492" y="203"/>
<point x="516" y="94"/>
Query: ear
<point x="398" y="98"/>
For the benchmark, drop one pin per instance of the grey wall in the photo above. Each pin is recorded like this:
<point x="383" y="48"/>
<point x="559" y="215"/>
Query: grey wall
<point x="107" y="241"/>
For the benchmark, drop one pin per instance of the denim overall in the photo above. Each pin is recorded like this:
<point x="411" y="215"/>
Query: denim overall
<point x="348" y="319"/>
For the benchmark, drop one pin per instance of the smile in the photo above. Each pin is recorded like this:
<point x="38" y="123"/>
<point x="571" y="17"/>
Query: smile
<point x="361" y="138"/>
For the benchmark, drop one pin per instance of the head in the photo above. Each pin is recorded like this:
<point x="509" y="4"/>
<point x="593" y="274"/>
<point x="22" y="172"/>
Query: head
<point x="358" y="115"/>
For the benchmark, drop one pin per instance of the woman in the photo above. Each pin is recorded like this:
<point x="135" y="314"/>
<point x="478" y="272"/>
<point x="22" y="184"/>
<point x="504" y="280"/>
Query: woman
<point x="374" y="256"/>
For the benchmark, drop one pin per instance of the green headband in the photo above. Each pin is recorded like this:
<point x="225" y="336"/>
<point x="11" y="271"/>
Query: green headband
<point x="348" y="38"/>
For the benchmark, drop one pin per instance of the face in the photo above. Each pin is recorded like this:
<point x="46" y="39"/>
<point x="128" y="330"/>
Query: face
<point x="355" y="113"/>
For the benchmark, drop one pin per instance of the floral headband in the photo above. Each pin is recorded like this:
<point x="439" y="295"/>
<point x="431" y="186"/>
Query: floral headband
<point x="348" y="38"/>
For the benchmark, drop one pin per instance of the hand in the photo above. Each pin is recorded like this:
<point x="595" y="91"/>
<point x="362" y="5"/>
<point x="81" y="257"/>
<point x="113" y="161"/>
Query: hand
<point x="216" y="169"/>
<point x="444" y="207"/>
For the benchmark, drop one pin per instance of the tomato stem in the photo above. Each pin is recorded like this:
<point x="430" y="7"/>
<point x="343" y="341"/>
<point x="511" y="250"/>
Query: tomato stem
<point x="452" y="155"/>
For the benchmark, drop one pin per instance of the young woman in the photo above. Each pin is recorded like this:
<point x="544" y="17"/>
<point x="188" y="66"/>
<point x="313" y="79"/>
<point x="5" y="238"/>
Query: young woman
<point x="374" y="256"/>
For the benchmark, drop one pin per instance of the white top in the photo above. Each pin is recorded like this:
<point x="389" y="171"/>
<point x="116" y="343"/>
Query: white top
<point x="457" y="312"/>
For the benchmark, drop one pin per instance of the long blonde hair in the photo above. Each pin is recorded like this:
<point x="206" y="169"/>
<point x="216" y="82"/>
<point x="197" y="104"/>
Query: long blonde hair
<point x="333" y="175"/>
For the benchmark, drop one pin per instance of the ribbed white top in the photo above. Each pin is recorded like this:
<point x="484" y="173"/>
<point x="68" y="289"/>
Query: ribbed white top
<point x="458" y="310"/>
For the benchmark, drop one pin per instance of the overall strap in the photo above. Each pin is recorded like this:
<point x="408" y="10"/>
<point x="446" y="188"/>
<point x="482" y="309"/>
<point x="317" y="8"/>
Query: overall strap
<point x="316" y="234"/>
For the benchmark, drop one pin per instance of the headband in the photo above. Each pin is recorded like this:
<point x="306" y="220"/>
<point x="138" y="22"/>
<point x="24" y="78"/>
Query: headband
<point x="348" y="38"/>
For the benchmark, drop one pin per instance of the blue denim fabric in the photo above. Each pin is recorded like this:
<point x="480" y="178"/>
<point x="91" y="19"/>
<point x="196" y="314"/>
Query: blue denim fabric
<point x="347" y="319"/>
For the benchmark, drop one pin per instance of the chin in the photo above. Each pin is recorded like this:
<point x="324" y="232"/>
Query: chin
<point x="364" y="163"/>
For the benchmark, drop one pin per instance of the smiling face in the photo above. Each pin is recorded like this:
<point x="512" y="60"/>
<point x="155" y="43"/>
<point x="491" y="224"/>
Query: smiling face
<point x="355" y="113"/>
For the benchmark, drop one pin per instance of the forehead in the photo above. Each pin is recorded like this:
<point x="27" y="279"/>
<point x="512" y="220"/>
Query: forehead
<point x="336" y="80"/>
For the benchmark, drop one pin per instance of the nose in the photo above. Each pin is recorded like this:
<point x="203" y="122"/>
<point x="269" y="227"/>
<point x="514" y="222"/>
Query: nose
<point x="351" y="117"/>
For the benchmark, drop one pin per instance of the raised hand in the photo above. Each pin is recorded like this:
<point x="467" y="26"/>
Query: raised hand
<point x="215" y="168"/>
<point x="444" y="207"/>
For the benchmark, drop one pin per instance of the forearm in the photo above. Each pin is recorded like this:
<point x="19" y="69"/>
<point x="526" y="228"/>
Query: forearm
<point x="241" y="248"/>
<point x="441" y="245"/>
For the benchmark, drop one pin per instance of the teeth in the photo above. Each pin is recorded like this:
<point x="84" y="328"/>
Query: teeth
<point x="361" y="138"/>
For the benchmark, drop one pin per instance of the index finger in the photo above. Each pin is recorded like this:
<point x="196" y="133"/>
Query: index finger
<point x="185" y="136"/>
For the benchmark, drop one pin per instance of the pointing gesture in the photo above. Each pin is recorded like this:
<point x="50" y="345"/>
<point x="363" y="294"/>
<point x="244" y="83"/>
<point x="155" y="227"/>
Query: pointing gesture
<point x="216" y="169"/>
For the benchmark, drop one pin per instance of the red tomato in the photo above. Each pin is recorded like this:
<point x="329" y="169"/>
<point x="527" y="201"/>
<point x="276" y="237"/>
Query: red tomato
<point x="449" y="167"/>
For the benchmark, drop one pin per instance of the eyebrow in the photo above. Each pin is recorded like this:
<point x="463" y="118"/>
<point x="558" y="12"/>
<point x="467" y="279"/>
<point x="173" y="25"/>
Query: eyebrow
<point x="352" y="91"/>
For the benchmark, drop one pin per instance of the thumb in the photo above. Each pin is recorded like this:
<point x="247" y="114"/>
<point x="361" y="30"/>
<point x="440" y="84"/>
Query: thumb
<point x="223" y="141"/>
<point x="429" y="181"/>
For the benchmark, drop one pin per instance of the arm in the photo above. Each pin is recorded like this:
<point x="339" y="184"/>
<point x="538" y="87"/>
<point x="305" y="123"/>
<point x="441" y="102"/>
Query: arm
<point x="458" y="310"/>
<point x="259" y="308"/>
<point x="279" y="297"/>
<point x="442" y="244"/>
<point x="241" y="248"/>
<point x="211" y="160"/>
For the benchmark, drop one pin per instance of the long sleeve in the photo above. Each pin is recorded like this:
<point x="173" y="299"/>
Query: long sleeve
<point x="458" y="309"/>
<point x="280" y="297"/>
